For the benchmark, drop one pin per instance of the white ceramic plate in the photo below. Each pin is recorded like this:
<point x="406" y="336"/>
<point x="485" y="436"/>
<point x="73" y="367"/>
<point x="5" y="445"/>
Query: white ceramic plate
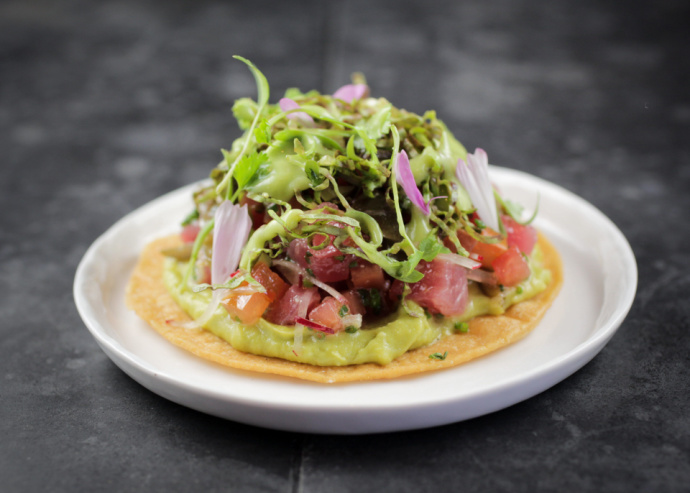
<point x="600" y="282"/>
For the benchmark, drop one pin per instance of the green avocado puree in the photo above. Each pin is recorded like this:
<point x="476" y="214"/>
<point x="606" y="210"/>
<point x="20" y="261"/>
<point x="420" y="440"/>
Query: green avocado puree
<point x="380" y="343"/>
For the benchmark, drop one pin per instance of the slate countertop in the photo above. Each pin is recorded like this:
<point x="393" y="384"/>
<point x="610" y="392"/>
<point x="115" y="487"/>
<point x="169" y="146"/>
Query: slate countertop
<point x="105" y="106"/>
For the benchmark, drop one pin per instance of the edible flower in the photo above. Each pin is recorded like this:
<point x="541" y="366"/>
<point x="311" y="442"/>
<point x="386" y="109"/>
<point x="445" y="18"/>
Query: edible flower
<point x="351" y="92"/>
<point x="405" y="178"/>
<point x="474" y="176"/>
<point x="230" y="234"/>
<point x="287" y="104"/>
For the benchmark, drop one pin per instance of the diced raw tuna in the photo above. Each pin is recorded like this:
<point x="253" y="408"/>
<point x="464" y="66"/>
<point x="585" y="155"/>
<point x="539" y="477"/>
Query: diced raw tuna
<point x="327" y="264"/>
<point x="297" y="302"/>
<point x="443" y="289"/>
<point x="521" y="236"/>
<point x="354" y="302"/>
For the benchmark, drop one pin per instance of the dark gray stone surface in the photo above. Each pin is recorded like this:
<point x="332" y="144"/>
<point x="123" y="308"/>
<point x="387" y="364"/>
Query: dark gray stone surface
<point x="107" y="105"/>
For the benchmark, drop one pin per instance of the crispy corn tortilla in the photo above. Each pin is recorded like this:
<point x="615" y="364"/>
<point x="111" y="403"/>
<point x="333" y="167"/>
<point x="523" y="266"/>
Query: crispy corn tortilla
<point x="148" y="297"/>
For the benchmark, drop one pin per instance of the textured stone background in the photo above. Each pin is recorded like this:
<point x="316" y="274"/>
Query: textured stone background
<point x="107" y="105"/>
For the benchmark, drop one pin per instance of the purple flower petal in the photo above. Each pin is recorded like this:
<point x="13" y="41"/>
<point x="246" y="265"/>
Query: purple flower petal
<point x="352" y="92"/>
<point x="474" y="176"/>
<point x="287" y="104"/>
<point x="404" y="177"/>
<point x="230" y="233"/>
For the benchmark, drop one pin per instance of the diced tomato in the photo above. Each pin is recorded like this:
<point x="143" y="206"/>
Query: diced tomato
<point x="274" y="284"/>
<point x="297" y="302"/>
<point x="190" y="232"/>
<point x="511" y="267"/>
<point x="248" y="308"/>
<point x="523" y="237"/>
<point x="367" y="275"/>
<point x="328" y="314"/>
<point x="488" y="252"/>
<point x="443" y="289"/>
<point x="257" y="211"/>
<point x="354" y="302"/>
<point x="327" y="264"/>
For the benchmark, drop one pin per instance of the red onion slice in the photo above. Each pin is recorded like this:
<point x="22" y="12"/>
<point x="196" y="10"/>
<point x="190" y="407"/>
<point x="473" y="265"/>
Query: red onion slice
<point x="405" y="178"/>
<point x="230" y="233"/>
<point x="287" y="104"/>
<point x="351" y="92"/>
<point x="314" y="325"/>
<point x="474" y="176"/>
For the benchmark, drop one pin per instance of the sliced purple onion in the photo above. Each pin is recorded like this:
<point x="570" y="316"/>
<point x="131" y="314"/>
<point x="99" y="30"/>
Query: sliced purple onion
<point x="352" y="92"/>
<point x="474" y="176"/>
<point x="314" y="325"/>
<point x="230" y="233"/>
<point x="405" y="178"/>
<point x="287" y="104"/>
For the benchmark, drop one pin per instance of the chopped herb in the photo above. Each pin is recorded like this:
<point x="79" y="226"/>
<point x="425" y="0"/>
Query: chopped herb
<point x="308" y="256"/>
<point x="310" y="272"/>
<point x="306" y="283"/>
<point x="438" y="356"/>
<point x="501" y="287"/>
<point x="462" y="326"/>
<point x="351" y="329"/>
<point x="427" y="314"/>
<point x="480" y="224"/>
<point x="343" y="311"/>
<point x="371" y="299"/>
<point x="518" y="290"/>
<point x="353" y="264"/>
<point x="339" y="258"/>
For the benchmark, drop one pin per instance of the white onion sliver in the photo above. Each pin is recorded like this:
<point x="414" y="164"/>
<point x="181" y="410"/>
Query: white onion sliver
<point x="216" y="298"/>
<point x="482" y="276"/>
<point x="352" y="321"/>
<point x="290" y="270"/>
<point x="466" y="262"/>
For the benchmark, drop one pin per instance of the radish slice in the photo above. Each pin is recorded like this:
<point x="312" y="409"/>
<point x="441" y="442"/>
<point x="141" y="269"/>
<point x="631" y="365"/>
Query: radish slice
<point x="474" y="176"/>
<point x="405" y="178"/>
